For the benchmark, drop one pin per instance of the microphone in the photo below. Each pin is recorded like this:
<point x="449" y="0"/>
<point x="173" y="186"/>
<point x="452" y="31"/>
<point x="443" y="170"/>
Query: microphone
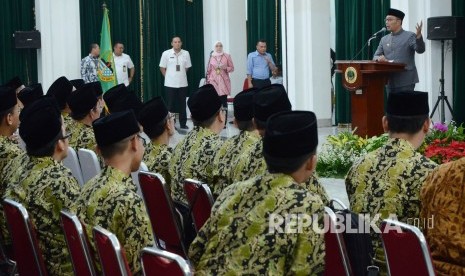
<point x="369" y="43"/>
<point x="380" y="31"/>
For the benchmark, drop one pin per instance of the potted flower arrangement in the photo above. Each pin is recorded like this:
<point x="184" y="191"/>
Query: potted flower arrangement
<point x="444" y="143"/>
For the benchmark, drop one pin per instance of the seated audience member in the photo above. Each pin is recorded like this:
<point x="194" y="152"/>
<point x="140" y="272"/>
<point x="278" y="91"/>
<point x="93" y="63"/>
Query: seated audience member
<point x="16" y="84"/>
<point x="243" y="234"/>
<point x="9" y="149"/>
<point x="9" y="122"/>
<point x="60" y="89"/>
<point x="119" y="98"/>
<point x="158" y="124"/>
<point x="443" y="215"/>
<point x="193" y="156"/>
<point x="231" y="149"/>
<point x="48" y="186"/>
<point x="250" y="163"/>
<point x="77" y="83"/>
<point x="269" y="100"/>
<point x="110" y="199"/>
<point x="85" y="109"/>
<point x="30" y="94"/>
<point x="387" y="181"/>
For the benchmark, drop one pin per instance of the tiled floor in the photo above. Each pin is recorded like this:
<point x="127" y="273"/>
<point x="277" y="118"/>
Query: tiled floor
<point x="334" y="187"/>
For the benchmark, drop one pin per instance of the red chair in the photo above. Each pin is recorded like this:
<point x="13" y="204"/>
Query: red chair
<point x="76" y="239"/>
<point x="27" y="253"/>
<point x="160" y="262"/>
<point x="200" y="200"/>
<point x="406" y="250"/>
<point x="336" y="259"/>
<point x="111" y="254"/>
<point x="167" y="228"/>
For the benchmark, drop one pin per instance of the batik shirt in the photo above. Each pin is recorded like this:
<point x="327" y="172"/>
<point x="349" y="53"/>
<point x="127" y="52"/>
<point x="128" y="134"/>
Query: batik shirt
<point x="388" y="181"/>
<point x="89" y="69"/>
<point x="110" y="200"/>
<point x="443" y="213"/>
<point x="157" y="158"/>
<point x="9" y="150"/>
<point x="193" y="158"/>
<point x="242" y="237"/>
<point x="227" y="157"/>
<point x="251" y="163"/>
<point x="13" y="172"/>
<point x="49" y="188"/>
<point x="68" y="121"/>
<point x="82" y="137"/>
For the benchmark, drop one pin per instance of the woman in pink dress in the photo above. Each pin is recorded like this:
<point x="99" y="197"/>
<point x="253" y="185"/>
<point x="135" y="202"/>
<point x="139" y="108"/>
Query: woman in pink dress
<point x="219" y="66"/>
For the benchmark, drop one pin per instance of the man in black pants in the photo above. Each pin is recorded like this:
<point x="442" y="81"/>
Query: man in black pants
<point x="174" y="64"/>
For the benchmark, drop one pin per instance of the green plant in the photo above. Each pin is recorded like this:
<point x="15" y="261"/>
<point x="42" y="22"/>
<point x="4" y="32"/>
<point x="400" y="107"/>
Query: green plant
<point x="340" y="151"/>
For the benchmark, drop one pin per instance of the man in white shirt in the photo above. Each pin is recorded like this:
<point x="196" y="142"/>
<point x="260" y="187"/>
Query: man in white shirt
<point x="174" y="64"/>
<point x="123" y="64"/>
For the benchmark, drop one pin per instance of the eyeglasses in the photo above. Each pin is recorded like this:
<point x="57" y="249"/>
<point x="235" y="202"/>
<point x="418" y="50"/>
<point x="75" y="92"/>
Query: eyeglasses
<point x="142" y="139"/>
<point x="390" y="19"/>
<point x="224" y="109"/>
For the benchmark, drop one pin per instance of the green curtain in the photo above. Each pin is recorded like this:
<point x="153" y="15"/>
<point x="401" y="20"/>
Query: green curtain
<point x="17" y="16"/>
<point x="458" y="58"/>
<point x="356" y="21"/>
<point x="264" y="22"/>
<point x="146" y="27"/>
<point x="163" y="20"/>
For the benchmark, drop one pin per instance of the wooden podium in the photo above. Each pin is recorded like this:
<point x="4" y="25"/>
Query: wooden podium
<point x="365" y="79"/>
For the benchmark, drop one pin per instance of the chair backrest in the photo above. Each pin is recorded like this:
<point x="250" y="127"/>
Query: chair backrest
<point x="156" y="261"/>
<point x="90" y="166"/>
<point x="135" y="176"/>
<point x="339" y="202"/>
<point x="336" y="259"/>
<point x="200" y="200"/>
<point x="165" y="221"/>
<point x="72" y="162"/>
<point x="406" y="250"/>
<point x="111" y="254"/>
<point x="27" y="253"/>
<point x="76" y="239"/>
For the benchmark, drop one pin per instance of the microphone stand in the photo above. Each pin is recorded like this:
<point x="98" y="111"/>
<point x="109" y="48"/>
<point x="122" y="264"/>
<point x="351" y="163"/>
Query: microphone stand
<point x="369" y="46"/>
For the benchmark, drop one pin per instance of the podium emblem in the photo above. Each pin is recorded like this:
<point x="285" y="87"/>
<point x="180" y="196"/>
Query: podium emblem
<point x="350" y="75"/>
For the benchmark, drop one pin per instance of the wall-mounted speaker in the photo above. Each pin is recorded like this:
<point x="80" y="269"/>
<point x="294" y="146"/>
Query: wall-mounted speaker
<point x="27" y="40"/>
<point x="446" y="27"/>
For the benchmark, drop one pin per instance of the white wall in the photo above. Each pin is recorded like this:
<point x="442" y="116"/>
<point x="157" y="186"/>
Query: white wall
<point x="306" y="57"/>
<point x="225" y="21"/>
<point x="60" y="55"/>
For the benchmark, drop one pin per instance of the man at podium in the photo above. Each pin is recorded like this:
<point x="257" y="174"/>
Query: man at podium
<point x="400" y="46"/>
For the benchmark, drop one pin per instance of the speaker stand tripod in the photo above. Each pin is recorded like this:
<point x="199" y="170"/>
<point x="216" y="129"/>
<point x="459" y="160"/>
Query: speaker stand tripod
<point x="442" y="97"/>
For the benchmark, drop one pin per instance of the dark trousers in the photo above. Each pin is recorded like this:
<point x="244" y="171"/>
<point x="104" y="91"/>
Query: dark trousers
<point x="176" y="97"/>
<point x="260" y="83"/>
<point x="410" y="87"/>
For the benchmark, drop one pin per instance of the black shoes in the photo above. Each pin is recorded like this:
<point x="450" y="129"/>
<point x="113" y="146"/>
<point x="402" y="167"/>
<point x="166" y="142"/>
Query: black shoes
<point x="184" y="127"/>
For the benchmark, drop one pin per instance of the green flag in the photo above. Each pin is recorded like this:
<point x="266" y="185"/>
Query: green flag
<point x="106" y="65"/>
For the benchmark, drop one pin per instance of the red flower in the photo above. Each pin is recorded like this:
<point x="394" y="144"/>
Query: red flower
<point x="441" y="151"/>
